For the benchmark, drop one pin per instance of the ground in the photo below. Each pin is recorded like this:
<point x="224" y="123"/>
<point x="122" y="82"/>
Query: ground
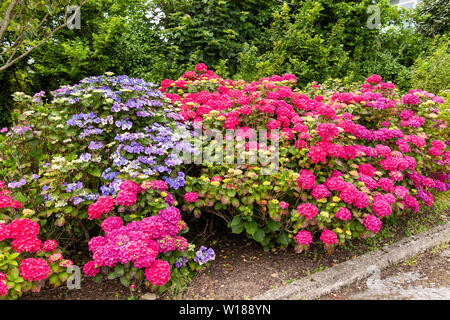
<point x="243" y="270"/>
<point x="422" y="277"/>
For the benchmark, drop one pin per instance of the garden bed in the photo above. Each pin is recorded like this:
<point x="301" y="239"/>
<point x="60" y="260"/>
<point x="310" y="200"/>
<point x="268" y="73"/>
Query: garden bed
<point x="242" y="269"/>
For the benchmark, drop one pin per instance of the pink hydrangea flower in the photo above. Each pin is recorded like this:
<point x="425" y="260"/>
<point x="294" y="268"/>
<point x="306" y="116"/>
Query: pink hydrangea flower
<point x="34" y="269"/>
<point x="381" y="208"/>
<point x="343" y="214"/>
<point x="112" y="223"/>
<point x="155" y="185"/>
<point x="90" y="269"/>
<point x="4" y="231"/>
<point x="328" y="237"/>
<point x="320" y="191"/>
<point x="130" y="186"/>
<point x="126" y="198"/>
<point x="306" y="180"/>
<point x="308" y="210"/>
<point x="304" y="238"/>
<point x="30" y="245"/>
<point x="23" y="228"/>
<point x="372" y="223"/>
<point x="104" y="204"/>
<point x="159" y="273"/>
<point x="191" y="197"/>
<point x="49" y="245"/>
<point x="283" y="205"/>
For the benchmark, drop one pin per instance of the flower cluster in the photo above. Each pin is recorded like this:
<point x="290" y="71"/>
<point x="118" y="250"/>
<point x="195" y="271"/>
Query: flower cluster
<point x="204" y="255"/>
<point x="28" y="258"/>
<point x="139" y="243"/>
<point x="97" y="158"/>
<point x="345" y="160"/>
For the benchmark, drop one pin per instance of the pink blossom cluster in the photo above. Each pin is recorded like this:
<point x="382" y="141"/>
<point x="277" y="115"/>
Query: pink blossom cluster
<point x="104" y="204"/>
<point x="191" y="197"/>
<point x="380" y="141"/>
<point x="308" y="210"/>
<point x="5" y="200"/>
<point x="3" y="287"/>
<point x="34" y="269"/>
<point x="343" y="214"/>
<point x="372" y="223"/>
<point x="155" y="185"/>
<point x="139" y="242"/>
<point x="304" y="238"/>
<point x="328" y="237"/>
<point x="306" y="179"/>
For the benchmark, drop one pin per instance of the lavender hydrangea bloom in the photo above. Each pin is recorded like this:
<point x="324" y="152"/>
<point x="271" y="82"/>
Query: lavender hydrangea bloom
<point x="17" y="184"/>
<point x="74" y="186"/>
<point x="95" y="145"/>
<point x="204" y="255"/>
<point x="86" y="157"/>
<point x="181" y="262"/>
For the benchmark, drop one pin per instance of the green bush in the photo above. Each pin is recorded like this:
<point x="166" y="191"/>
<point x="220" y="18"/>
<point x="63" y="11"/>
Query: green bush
<point x="430" y="71"/>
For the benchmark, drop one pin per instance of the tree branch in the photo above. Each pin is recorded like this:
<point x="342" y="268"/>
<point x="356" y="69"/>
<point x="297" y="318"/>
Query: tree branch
<point x="7" y="19"/>
<point x="27" y="52"/>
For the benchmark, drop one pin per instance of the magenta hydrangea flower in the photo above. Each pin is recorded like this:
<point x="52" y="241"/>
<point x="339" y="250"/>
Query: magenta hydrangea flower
<point x="381" y="208"/>
<point x="23" y="228"/>
<point x="159" y="273"/>
<point x="372" y="223"/>
<point x="411" y="99"/>
<point x="49" y="245"/>
<point x="112" y="223"/>
<point x="4" y="231"/>
<point x="328" y="237"/>
<point x="283" y="205"/>
<point x="126" y="198"/>
<point x="191" y="197"/>
<point x="308" y="210"/>
<point x="90" y="269"/>
<point x="343" y="214"/>
<point x="320" y="191"/>
<point x="30" y="245"/>
<point x="34" y="269"/>
<point x="306" y="180"/>
<point x="304" y="238"/>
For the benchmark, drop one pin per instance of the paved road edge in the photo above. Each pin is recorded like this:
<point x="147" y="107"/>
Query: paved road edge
<point x="345" y="273"/>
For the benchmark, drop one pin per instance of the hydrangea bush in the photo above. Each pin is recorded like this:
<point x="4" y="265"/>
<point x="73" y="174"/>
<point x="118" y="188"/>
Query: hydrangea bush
<point x="347" y="159"/>
<point x="150" y="249"/>
<point x="26" y="262"/>
<point x="81" y="145"/>
<point x="106" y="147"/>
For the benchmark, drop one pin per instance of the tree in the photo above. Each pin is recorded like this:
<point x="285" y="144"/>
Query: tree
<point x="27" y="25"/>
<point x="433" y="17"/>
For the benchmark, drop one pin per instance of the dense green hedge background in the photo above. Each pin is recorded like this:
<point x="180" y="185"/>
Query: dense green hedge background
<point x="316" y="40"/>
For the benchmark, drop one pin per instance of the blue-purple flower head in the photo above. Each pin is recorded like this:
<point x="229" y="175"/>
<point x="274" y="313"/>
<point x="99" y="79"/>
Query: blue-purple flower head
<point x="95" y="145"/>
<point x="86" y="157"/>
<point x="181" y="262"/>
<point x="74" y="186"/>
<point x="17" y="184"/>
<point x="204" y="255"/>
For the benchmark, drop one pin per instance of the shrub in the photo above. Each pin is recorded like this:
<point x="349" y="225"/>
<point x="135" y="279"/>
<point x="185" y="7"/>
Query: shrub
<point x="26" y="263"/>
<point x="107" y="146"/>
<point x="85" y="142"/>
<point x="430" y="70"/>
<point x="347" y="160"/>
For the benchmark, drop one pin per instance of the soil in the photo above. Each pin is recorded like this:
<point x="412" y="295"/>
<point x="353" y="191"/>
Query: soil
<point x="90" y="290"/>
<point x="243" y="270"/>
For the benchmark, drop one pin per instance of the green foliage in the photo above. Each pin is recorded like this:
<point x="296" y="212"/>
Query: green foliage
<point x="211" y="31"/>
<point x="433" y="17"/>
<point x="318" y="40"/>
<point x="430" y="71"/>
